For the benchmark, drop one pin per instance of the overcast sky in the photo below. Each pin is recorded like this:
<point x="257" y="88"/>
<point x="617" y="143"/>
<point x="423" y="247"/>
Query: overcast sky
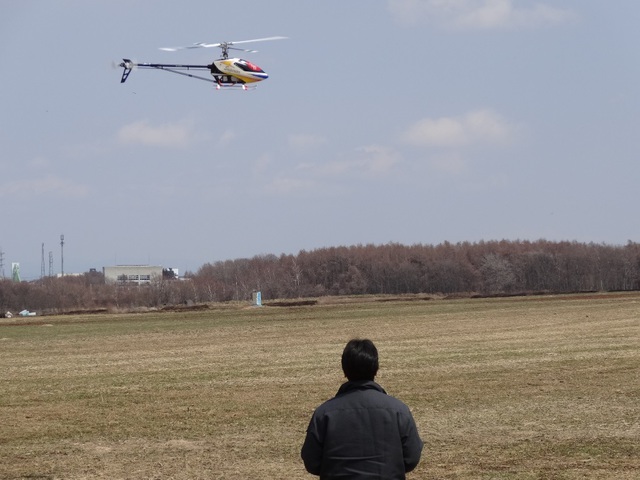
<point x="408" y="121"/>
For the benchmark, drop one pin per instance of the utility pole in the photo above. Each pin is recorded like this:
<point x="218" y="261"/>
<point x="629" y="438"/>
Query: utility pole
<point x="1" y="263"/>
<point x="42" y="263"/>
<point x="62" y="255"/>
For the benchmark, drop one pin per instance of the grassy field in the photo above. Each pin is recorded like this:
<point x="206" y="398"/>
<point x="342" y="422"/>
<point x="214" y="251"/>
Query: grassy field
<point x="516" y="388"/>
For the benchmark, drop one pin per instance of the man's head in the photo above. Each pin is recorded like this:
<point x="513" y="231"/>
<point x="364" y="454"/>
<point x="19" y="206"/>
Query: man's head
<point x="360" y="360"/>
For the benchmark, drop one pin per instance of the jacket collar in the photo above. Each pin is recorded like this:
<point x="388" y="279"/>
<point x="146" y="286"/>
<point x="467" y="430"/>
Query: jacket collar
<point x="359" y="385"/>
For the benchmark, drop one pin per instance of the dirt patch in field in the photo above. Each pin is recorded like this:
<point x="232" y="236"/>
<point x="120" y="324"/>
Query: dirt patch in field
<point x="291" y="303"/>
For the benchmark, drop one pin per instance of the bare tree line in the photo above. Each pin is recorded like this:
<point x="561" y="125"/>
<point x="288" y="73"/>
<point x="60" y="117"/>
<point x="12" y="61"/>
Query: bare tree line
<point x="484" y="268"/>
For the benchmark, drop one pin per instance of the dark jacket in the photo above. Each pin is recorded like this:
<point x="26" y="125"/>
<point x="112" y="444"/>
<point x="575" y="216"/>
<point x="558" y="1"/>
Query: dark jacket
<point x="361" y="433"/>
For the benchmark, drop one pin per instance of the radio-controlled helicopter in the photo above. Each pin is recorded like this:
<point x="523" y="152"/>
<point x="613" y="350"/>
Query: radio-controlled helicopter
<point x="226" y="72"/>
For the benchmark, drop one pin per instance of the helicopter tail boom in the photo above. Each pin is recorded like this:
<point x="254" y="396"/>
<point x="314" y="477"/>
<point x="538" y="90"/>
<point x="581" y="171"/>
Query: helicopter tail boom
<point x="129" y="65"/>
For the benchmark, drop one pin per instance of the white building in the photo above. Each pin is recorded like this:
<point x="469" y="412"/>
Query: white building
<point x="136" y="274"/>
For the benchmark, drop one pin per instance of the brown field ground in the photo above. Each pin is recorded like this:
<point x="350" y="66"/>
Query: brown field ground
<point x="514" y="388"/>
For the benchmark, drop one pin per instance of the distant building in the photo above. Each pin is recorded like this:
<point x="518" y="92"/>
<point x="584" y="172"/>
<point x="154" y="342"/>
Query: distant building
<point x="132" y="274"/>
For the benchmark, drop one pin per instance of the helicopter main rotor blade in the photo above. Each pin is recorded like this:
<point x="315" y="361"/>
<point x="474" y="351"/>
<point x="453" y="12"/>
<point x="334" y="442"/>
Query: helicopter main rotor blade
<point x="221" y="44"/>
<point x="257" y="40"/>
<point x="195" y="45"/>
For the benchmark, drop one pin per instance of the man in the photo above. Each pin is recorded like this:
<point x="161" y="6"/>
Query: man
<point x="362" y="432"/>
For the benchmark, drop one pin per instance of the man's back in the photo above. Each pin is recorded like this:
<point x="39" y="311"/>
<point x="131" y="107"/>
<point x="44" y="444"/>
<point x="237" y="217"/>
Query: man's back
<point x="362" y="433"/>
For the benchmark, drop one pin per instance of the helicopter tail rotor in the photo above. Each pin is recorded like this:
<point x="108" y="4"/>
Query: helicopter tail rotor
<point x="127" y="66"/>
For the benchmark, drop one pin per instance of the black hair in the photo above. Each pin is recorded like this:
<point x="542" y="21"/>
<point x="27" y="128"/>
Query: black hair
<point x="360" y="360"/>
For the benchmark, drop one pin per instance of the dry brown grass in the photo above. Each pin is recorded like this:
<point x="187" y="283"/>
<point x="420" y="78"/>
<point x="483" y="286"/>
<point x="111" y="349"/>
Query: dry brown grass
<point x="521" y="388"/>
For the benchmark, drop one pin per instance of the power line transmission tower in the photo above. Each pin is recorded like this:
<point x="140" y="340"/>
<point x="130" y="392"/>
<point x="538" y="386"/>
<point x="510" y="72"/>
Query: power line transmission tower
<point x="1" y="263"/>
<point x="42" y="263"/>
<point x="50" y="263"/>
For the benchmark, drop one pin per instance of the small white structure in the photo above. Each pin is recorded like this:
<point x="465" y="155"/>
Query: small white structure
<point x="257" y="299"/>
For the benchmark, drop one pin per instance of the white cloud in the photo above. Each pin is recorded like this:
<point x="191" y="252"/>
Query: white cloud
<point x="261" y="164"/>
<point x="227" y="137"/>
<point x="304" y="141"/>
<point x="39" y="163"/>
<point x="287" y="185"/>
<point x="46" y="186"/>
<point x="479" y="14"/>
<point x="167" y="135"/>
<point x="369" y="160"/>
<point x="451" y="163"/>
<point x="322" y="177"/>
<point x="378" y="159"/>
<point x="474" y="128"/>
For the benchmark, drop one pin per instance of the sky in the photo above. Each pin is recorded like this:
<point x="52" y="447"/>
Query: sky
<point x="405" y="121"/>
